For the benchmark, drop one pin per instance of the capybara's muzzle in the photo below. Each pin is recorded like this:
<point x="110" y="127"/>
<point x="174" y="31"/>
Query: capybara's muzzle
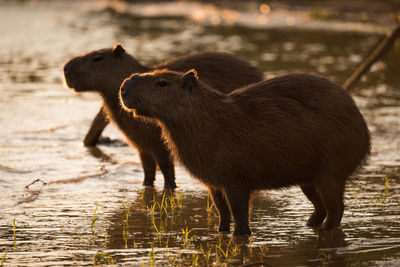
<point x="68" y="75"/>
<point x="126" y="92"/>
<point x="125" y="88"/>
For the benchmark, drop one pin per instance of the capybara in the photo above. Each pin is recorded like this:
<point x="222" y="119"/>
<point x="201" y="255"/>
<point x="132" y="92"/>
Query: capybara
<point x="291" y="130"/>
<point x="214" y="68"/>
<point x="104" y="70"/>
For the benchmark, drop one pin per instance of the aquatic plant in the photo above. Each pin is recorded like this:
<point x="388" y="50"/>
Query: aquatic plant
<point x="126" y="212"/>
<point x="178" y="199"/>
<point x="206" y="254"/>
<point x="93" y="224"/>
<point x="251" y="239"/>
<point x="186" y="239"/>
<point x="386" y="190"/>
<point x="103" y="257"/>
<point x="124" y="236"/>
<point x="195" y="259"/>
<point x="3" y="259"/>
<point x="152" y="256"/>
<point x="225" y="253"/>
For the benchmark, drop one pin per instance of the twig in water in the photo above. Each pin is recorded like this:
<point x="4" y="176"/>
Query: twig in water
<point x="34" y="182"/>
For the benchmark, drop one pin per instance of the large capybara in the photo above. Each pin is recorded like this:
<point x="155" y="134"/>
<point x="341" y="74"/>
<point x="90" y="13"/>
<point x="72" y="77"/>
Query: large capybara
<point x="104" y="70"/>
<point x="291" y="130"/>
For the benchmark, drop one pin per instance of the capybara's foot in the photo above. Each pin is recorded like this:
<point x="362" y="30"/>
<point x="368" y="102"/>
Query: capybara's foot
<point x="327" y="226"/>
<point x="224" y="227"/>
<point x="170" y="185"/>
<point x="332" y="238"/>
<point x="242" y="230"/>
<point x="111" y="142"/>
<point x="316" y="219"/>
<point x="332" y="221"/>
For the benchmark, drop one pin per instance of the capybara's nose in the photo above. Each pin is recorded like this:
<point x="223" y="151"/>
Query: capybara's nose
<point x="125" y="87"/>
<point x="66" y="69"/>
<point x="128" y="84"/>
<point x="123" y="90"/>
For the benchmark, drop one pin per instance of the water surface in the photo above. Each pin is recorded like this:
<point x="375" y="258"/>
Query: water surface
<point x="79" y="217"/>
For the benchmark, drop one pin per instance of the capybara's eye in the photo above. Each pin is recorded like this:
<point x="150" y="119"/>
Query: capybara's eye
<point x="98" y="58"/>
<point x="162" y="83"/>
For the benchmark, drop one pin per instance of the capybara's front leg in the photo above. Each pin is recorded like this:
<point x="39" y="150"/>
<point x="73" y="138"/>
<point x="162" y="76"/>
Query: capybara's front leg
<point x="149" y="168"/>
<point x="96" y="128"/>
<point x="223" y="209"/>
<point x="238" y="199"/>
<point x="166" y="165"/>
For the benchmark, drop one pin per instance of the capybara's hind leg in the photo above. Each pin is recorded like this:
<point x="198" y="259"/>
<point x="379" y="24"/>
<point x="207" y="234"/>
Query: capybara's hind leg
<point x="331" y="191"/>
<point x="166" y="165"/>
<point x="149" y="167"/>
<point x="223" y="209"/>
<point x="238" y="200"/>
<point x="319" y="214"/>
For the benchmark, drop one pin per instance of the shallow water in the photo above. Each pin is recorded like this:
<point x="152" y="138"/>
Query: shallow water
<point x="79" y="217"/>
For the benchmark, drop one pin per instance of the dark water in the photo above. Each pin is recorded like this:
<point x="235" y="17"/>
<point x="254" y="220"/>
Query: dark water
<point x="79" y="217"/>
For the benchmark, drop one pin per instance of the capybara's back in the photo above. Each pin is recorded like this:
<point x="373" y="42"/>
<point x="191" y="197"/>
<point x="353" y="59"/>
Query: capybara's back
<point x="302" y="121"/>
<point x="291" y="130"/>
<point x="298" y="129"/>
<point x="283" y="131"/>
<point x="223" y="71"/>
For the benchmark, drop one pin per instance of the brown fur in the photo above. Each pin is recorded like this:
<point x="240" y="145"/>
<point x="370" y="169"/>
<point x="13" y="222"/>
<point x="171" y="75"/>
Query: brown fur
<point x="291" y="130"/>
<point x="104" y="70"/>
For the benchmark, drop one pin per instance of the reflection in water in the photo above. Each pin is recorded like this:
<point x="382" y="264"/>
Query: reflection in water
<point x="154" y="222"/>
<point x="98" y="153"/>
<point x="83" y="219"/>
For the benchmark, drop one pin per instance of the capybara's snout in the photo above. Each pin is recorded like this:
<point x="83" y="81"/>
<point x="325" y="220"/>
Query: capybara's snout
<point x="68" y="74"/>
<point x="127" y="90"/>
<point x="123" y="89"/>
<point x="67" y="67"/>
<point x="126" y="87"/>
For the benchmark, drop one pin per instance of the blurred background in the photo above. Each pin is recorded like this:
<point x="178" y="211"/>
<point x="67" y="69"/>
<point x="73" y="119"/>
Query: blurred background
<point x="79" y="216"/>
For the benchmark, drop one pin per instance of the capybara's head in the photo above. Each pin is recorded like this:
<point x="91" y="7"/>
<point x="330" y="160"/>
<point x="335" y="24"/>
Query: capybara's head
<point x="155" y="93"/>
<point x="100" y="70"/>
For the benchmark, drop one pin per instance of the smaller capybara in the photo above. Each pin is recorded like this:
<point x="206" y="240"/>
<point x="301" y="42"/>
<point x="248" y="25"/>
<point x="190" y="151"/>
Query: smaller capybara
<point x="291" y="130"/>
<point x="222" y="70"/>
<point x="103" y="71"/>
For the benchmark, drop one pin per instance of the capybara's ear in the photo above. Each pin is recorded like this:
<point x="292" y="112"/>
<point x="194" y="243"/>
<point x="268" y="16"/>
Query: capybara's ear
<point x="189" y="79"/>
<point x="118" y="50"/>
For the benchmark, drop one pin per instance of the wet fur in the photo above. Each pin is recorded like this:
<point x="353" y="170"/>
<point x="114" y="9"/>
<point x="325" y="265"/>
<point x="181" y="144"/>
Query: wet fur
<point x="291" y="130"/>
<point x="84" y="73"/>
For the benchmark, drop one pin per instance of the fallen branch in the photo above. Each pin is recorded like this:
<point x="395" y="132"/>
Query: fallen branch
<point x="378" y="53"/>
<point x="71" y="180"/>
<point x="47" y="130"/>
<point x="80" y="178"/>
